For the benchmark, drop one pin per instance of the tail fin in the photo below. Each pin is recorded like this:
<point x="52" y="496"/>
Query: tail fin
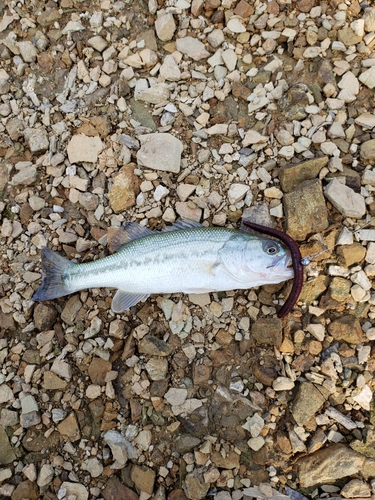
<point x="53" y="286"/>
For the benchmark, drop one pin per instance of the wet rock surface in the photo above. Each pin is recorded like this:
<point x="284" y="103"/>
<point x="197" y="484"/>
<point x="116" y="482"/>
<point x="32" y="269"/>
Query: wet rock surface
<point x="210" y="110"/>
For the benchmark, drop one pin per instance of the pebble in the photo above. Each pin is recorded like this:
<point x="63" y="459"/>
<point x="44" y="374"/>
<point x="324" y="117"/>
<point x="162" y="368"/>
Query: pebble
<point x="122" y="194"/>
<point x="176" y="397"/>
<point x="117" y="443"/>
<point x="160" y="152"/>
<point x="345" y="200"/>
<point x="237" y="193"/>
<point x="327" y="465"/>
<point x="356" y="489"/>
<point x="165" y="26"/>
<point x="69" y="428"/>
<point x="363" y="396"/>
<point x="256" y="443"/>
<point x="308" y="401"/>
<point x="368" y="78"/>
<point x="36" y="139"/>
<point x="78" y="490"/>
<point x="7" y="455"/>
<point x="282" y="384"/>
<point x="143" y="478"/>
<point x="82" y="148"/>
<point x="192" y="47"/>
<point x="27" y="51"/>
<point x="46" y="475"/>
<point x="367" y="152"/>
<point x="169" y="70"/>
<point x="306" y="199"/>
<point x="194" y="486"/>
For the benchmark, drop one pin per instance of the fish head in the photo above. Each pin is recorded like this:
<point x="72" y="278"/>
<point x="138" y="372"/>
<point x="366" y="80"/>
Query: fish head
<point x="268" y="259"/>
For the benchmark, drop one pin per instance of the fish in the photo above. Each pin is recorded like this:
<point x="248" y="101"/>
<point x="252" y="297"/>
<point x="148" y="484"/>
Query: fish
<point x="184" y="258"/>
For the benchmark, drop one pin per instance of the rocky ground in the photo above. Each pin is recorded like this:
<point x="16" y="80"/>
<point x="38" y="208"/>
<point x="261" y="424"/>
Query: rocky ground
<point x="211" y="110"/>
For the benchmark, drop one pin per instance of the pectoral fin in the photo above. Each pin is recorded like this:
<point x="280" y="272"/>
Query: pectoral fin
<point x="124" y="300"/>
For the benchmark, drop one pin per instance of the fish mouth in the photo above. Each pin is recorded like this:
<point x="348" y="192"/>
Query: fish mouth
<point x="284" y="260"/>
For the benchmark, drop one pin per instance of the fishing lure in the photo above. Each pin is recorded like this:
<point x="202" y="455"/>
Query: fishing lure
<point x="297" y="262"/>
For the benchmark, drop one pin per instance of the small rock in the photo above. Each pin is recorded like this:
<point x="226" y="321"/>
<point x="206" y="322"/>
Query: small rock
<point x="348" y="37"/>
<point x="327" y="465"/>
<point x="69" y="429"/>
<point x="368" y="78"/>
<point x="7" y="454"/>
<point x="26" y="489"/>
<point x="349" y="82"/>
<point x="356" y="489"/>
<point x="160" y="152"/>
<point x="28" y="51"/>
<point x="78" y="490"/>
<point x="124" y="190"/>
<point x="282" y="384"/>
<point x="98" y="43"/>
<point x="169" y="70"/>
<point x="305" y="209"/>
<point x="98" y="370"/>
<point x="367" y="150"/>
<point x="230" y="59"/>
<point x="117" y="443"/>
<point x="237" y="192"/>
<point x="44" y="317"/>
<point x="71" y="309"/>
<point x="165" y="27"/>
<point x="369" y="19"/>
<point x="346" y="328"/>
<point x="192" y="47"/>
<point x="45" y="475"/>
<point x="93" y="467"/>
<point x="194" y="485"/>
<point x="36" y="139"/>
<point x="345" y="200"/>
<point x="176" y="397"/>
<point x="157" y="368"/>
<point x="83" y="148"/>
<point x="216" y="38"/>
<point x="53" y="382"/>
<point x="188" y="210"/>
<point x="253" y="137"/>
<point x="230" y="461"/>
<point x="308" y="401"/>
<point x="185" y="190"/>
<point x="154" y="346"/>
<point x="256" y="443"/>
<point x="115" y="489"/>
<point x="363" y="396"/>
<point x="143" y="478"/>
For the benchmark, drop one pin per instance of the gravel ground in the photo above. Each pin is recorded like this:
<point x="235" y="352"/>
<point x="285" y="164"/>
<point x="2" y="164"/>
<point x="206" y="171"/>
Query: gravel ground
<point x="211" y="110"/>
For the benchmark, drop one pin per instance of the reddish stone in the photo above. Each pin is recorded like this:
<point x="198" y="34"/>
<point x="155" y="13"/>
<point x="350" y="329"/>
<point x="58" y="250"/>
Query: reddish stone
<point x="244" y="9"/>
<point x="305" y="5"/>
<point x="114" y="490"/>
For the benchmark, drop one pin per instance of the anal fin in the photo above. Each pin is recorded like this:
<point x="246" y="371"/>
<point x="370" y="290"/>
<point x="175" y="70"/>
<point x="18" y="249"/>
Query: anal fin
<point x="125" y="300"/>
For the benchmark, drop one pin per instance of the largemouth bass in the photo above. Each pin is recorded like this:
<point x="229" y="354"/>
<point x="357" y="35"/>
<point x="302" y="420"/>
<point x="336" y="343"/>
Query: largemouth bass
<point x="187" y="257"/>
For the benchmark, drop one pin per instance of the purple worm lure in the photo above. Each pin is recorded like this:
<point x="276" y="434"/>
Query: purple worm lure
<point x="297" y="263"/>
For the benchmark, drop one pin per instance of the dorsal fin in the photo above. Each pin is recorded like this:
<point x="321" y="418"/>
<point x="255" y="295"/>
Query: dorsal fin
<point x="183" y="224"/>
<point x="129" y="231"/>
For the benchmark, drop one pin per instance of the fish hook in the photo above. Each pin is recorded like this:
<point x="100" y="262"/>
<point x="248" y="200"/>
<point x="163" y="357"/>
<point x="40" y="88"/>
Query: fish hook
<point x="297" y="262"/>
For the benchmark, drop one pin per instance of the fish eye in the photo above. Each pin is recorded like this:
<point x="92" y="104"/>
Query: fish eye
<point x="271" y="249"/>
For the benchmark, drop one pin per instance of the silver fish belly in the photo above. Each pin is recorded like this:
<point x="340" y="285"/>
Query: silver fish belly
<point x="186" y="259"/>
